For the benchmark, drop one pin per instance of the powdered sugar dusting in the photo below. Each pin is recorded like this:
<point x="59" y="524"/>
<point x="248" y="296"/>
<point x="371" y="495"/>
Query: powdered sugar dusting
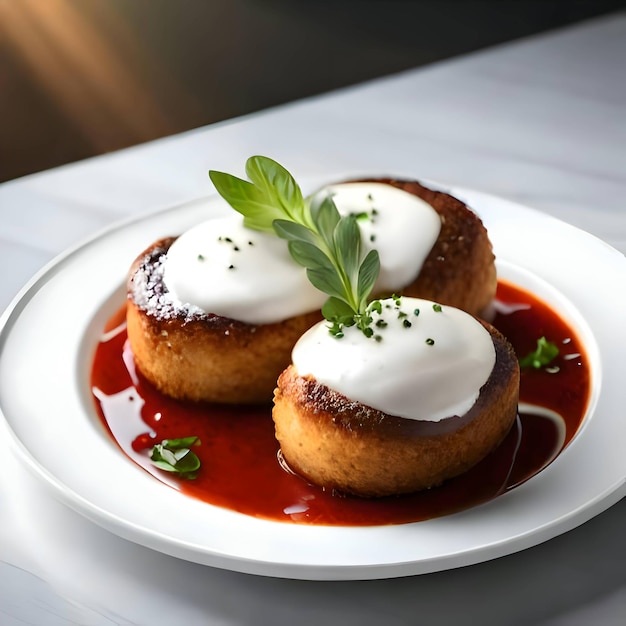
<point x="148" y="292"/>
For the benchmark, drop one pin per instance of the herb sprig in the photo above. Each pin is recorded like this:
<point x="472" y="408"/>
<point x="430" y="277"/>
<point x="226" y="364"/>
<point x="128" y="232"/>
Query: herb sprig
<point x="327" y="244"/>
<point x="175" y="455"/>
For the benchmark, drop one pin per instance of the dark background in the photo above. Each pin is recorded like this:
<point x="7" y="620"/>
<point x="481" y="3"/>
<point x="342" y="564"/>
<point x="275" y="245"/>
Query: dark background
<point x="84" y="77"/>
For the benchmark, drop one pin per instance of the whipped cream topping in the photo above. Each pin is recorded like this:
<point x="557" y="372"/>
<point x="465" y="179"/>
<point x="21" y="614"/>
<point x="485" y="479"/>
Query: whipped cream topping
<point x="429" y="363"/>
<point x="221" y="267"/>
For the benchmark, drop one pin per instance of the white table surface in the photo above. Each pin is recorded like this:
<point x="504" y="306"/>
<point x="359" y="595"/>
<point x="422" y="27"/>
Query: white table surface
<point x="542" y="122"/>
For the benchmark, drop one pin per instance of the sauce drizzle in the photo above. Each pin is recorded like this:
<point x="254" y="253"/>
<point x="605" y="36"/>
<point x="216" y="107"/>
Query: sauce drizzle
<point x="241" y="466"/>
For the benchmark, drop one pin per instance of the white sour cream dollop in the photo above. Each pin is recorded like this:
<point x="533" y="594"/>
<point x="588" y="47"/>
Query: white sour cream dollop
<point x="224" y="268"/>
<point x="426" y="366"/>
<point x="401" y="226"/>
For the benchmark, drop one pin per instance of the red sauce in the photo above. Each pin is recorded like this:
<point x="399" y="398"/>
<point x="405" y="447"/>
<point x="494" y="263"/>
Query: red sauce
<point x="239" y="454"/>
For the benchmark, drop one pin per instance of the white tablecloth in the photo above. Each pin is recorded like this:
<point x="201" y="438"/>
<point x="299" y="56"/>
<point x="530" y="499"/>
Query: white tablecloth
<point x="542" y="122"/>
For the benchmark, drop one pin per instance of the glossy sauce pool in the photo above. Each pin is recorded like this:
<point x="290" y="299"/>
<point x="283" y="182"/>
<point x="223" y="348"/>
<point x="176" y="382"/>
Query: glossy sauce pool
<point x="241" y="467"/>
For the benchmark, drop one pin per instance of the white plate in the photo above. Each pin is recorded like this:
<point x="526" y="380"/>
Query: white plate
<point x="47" y="340"/>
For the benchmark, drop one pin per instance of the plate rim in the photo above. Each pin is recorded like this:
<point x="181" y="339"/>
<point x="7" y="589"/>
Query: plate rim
<point x="305" y="570"/>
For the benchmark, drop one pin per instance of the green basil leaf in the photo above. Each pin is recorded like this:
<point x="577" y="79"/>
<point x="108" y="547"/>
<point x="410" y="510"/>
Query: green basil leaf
<point x="324" y="215"/>
<point x="309" y="255"/>
<point x="347" y="240"/>
<point x="164" y="465"/>
<point x="368" y="273"/>
<point x="164" y="455"/>
<point x="187" y="461"/>
<point x="293" y="231"/>
<point x="327" y="281"/>
<point x="544" y="354"/>
<point x="174" y="455"/>
<point x="182" y="442"/>
<point x="277" y="185"/>
<point x="244" y="197"/>
<point x="336" y="310"/>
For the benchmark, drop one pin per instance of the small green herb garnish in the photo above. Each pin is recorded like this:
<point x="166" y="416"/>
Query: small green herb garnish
<point x="543" y="355"/>
<point x="318" y="237"/>
<point x="175" y="455"/>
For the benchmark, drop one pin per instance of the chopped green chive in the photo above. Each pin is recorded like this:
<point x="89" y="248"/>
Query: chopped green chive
<point x="437" y="308"/>
<point x="430" y="342"/>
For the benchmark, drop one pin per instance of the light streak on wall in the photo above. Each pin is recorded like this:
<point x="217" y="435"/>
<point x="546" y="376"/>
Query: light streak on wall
<point x="86" y="61"/>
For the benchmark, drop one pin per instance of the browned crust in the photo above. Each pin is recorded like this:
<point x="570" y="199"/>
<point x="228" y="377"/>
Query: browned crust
<point x="344" y="445"/>
<point x="460" y="269"/>
<point x="208" y="357"/>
